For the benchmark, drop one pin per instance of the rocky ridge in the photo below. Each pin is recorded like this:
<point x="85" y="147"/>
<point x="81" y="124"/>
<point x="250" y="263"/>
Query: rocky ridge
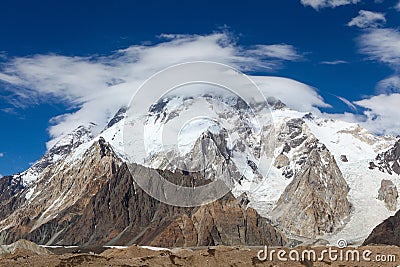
<point x="388" y="161"/>
<point x="315" y="202"/>
<point x="95" y="201"/>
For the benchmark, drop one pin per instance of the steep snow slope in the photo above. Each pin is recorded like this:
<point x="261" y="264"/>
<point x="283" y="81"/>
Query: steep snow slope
<point x="358" y="147"/>
<point x="59" y="151"/>
<point x="368" y="211"/>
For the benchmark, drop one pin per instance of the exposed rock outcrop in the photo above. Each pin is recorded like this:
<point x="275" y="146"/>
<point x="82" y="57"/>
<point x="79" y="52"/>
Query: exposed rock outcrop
<point x="120" y="115"/>
<point x="209" y="156"/>
<point x="281" y="161"/>
<point x="388" y="193"/>
<point x="344" y="158"/>
<point x="10" y="186"/>
<point x="292" y="136"/>
<point x="315" y="202"/>
<point x="221" y="222"/>
<point x="388" y="161"/>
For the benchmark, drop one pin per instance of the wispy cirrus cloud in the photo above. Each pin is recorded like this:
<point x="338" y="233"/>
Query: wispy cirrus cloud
<point x="319" y="4"/>
<point x="347" y="102"/>
<point x="334" y="62"/>
<point x="9" y="111"/>
<point x="381" y="45"/>
<point x="368" y="19"/>
<point x="279" y="51"/>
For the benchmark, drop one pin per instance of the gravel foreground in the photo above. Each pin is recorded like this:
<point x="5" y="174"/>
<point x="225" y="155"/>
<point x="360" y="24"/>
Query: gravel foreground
<point x="211" y="256"/>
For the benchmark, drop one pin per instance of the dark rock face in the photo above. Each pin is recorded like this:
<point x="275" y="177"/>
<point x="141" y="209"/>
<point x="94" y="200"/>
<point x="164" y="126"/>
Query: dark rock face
<point x="386" y="233"/>
<point x="9" y="186"/>
<point x="221" y="222"/>
<point x="388" y="161"/>
<point x="295" y="127"/>
<point x="102" y="204"/>
<point x="292" y="136"/>
<point x="117" y="117"/>
<point x="344" y="158"/>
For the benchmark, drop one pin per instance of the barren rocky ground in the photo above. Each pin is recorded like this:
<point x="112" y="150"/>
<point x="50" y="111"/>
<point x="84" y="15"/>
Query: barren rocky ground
<point x="211" y="256"/>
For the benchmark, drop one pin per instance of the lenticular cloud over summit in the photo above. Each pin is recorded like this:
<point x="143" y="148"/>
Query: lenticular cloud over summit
<point x="95" y="87"/>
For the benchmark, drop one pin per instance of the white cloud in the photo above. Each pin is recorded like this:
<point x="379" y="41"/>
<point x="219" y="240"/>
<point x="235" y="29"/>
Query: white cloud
<point x="381" y="45"/>
<point x="389" y="85"/>
<point x="397" y="7"/>
<point x="9" y="79"/>
<point x="318" y="4"/>
<point x="1" y="155"/>
<point x="96" y="86"/>
<point x="280" y="51"/>
<point x="294" y="94"/>
<point x="379" y="114"/>
<point x="334" y="62"/>
<point x="347" y="102"/>
<point x="368" y="19"/>
<point x="382" y="114"/>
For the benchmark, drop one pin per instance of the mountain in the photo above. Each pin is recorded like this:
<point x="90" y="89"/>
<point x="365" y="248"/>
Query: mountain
<point x="11" y="185"/>
<point x="348" y="147"/>
<point x="295" y="177"/>
<point x="315" y="202"/>
<point x="59" y="151"/>
<point x="94" y="200"/>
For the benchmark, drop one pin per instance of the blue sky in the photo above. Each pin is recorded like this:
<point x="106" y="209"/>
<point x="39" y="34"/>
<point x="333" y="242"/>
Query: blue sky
<point x="59" y="60"/>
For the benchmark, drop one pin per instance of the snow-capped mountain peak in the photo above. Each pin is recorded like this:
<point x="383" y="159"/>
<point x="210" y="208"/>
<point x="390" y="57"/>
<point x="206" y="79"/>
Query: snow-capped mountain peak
<point x="220" y="136"/>
<point x="58" y="152"/>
